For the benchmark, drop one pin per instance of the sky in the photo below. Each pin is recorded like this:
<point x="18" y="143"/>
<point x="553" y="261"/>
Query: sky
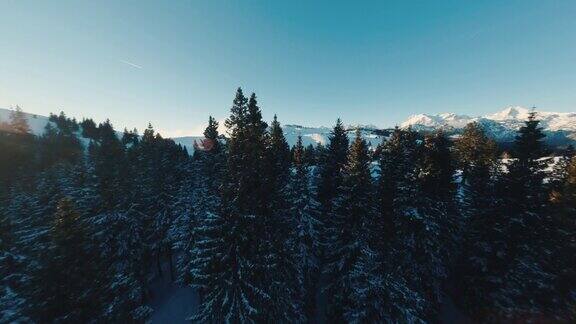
<point x="174" y="63"/>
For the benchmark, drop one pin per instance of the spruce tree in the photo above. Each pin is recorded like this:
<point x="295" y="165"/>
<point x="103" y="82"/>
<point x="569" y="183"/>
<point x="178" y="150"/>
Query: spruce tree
<point x="13" y="304"/>
<point x="279" y="154"/>
<point x="198" y="197"/>
<point x="518" y="274"/>
<point x="332" y="164"/>
<point x="380" y="291"/>
<point x="232" y="253"/>
<point x="18" y="122"/>
<point x="305" y="237"/>
<point x="476" y="157"/>
<point x="409" y="223"/>
<point x="68" y="289"/>
<point x="60" y="143"/>
<point x="351" y="215"/>
<point x="437" y="167"/>
<point x="563" y="244"/>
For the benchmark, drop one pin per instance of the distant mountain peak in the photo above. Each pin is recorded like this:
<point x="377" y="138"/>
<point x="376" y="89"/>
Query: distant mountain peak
<point x="512" y="112"/>
<point x="502" y="125"/>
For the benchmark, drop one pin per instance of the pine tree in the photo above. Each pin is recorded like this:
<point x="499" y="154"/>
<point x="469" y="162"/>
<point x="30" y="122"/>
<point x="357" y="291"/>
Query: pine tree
<point x="476" y="157"/>
<point x="18" y="122"/>
<point x="436" y="178"/>
<point x="279" y="154"/>
<point x="563" y="244"/>
<point x="68" y="289"/>
<point x="332" y="164"/>
<point x="518" y="273"/>
<point x="89" y="129"/>
<point x="60" y="144"/>
<point x="108" y="156"/>
<point x="305" y="211"/>
<point x="437" y="167"/>
<point x="13" y="304"/>
<point x="409" y="225"/>
<point x="130" y="137"/>
<point x="397" y="185"/>
<point x="381" y="293"/>
<point x="526" y="170"/>
<point x="18" y="160"/>
<point x="229" y="263"/>
<point x="198" y="197"/>
<point x="352" y="214"/>
<point x="482" y="237"/>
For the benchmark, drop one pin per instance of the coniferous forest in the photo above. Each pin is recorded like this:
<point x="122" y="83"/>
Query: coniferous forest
<point x="263" y="232"/>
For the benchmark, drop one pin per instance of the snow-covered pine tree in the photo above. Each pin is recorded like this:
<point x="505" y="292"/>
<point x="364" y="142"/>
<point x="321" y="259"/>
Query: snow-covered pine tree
<point x="279" y="155"/>
<point x="482" y="233"/>
<point x="116" y="237"/>
<point x="409" y="222"/>
<point x="476" y="158"/>
<point x="331" y="165"/>
<point x="13" y="304"/>
<point x="108" y="156"/>
<point x="563" y="244"/>
<point x="525" y="284"/>
<point x="149" y="198"/>
<point x="283" y="275"/>
<point x="168" y="181"/>
<point x="70" y="295"/>
<point x="108" y="198"/>
<point x="197" y="197"/>
<point x="305" y="210"/>
<point x="351" y="215"/>
<point x="230" y="254"/>
<point x="437" y="247"/>
<point x="380" y="292"/>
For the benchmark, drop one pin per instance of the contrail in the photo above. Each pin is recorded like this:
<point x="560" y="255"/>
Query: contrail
<point x="134" y="65"/>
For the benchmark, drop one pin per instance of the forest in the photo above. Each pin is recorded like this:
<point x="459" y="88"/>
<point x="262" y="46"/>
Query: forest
<point x="345" y="232"/>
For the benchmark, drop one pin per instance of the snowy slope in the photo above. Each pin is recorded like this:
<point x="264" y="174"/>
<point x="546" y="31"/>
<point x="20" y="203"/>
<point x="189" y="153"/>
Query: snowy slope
<point x="310" y="135"/>
<point x="315" y="135"/>
<point x="37" y="123"/>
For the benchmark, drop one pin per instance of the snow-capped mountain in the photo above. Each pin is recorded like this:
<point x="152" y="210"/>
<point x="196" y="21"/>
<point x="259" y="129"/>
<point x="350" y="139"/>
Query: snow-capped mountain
<point x="512" y="117"/>
<point x="437" y="121"/>
<point x="560" y="127"/>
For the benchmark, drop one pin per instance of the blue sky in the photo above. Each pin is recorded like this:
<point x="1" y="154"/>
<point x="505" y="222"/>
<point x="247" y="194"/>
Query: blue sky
<point x="176" y="62"/>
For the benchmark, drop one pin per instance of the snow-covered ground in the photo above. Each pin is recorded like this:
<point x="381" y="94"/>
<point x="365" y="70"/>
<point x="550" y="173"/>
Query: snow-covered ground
<point x="37" y="123"/>
<point x="172" y="303"/>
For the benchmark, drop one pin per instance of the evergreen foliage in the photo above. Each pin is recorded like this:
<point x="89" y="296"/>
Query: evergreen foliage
<point x="89" y="218"/>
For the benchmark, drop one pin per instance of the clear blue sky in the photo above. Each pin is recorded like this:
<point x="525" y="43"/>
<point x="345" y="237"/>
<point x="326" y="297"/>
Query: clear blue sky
<point x="176" y="62"/>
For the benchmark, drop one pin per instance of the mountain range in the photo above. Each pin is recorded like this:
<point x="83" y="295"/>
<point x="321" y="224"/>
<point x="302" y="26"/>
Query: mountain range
<point x="560" y="128"/>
